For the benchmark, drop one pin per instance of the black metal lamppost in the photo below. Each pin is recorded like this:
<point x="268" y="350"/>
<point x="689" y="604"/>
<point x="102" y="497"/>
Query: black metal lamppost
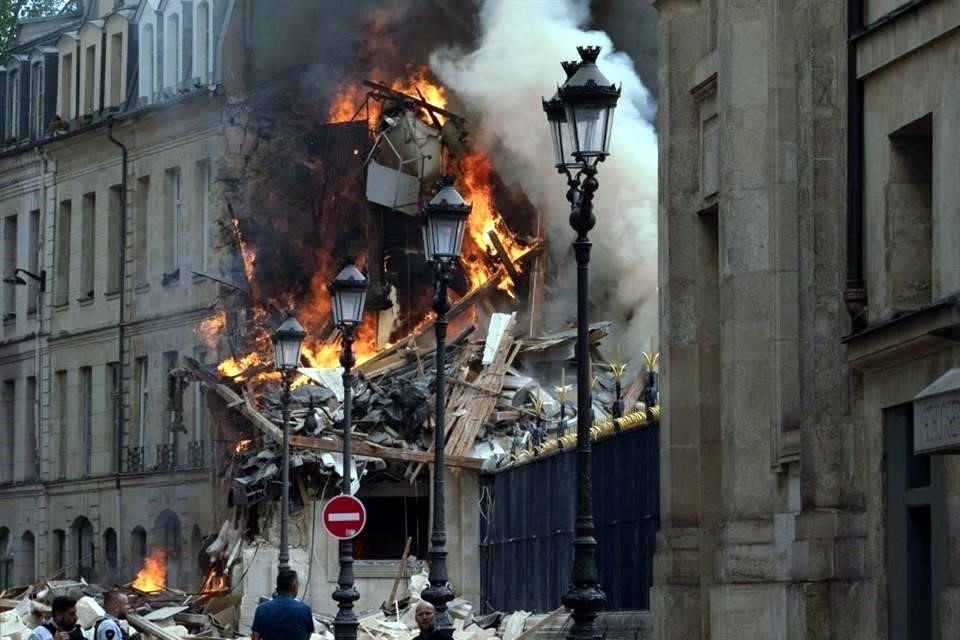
<point x="444" y="220"/>
<point x="287" y="342"/>
<point x="581" y="118"/>
<point x="349" y="290"/>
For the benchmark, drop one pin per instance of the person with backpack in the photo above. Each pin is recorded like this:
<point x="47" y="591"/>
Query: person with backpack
<point x="116" y="606"/>
<point x="63" y="624"/>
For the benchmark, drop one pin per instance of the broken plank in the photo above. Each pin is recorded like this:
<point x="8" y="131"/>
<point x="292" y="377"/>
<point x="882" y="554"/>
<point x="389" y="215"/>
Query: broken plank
<point x="389" y="453"/>
<point x="504" y="256"/>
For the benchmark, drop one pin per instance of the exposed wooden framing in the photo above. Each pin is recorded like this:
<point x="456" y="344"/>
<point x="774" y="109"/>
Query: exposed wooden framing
<point x="504" y="256"/>
<point x="388" y="453"/>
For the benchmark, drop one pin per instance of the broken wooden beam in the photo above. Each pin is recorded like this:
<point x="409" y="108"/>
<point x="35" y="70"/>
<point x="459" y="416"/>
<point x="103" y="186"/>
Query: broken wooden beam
<point x="387" y="453"/>
<point x="145" y="626"/>
<point x="504" y="256"/>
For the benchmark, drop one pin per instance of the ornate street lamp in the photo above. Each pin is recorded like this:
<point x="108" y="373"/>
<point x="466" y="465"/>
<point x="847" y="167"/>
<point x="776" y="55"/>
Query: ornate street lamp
<point x="287" y="342"/>
<point x="580" y="116"/>
<point x="349" y="290"/>
<point x="444" y="220"/>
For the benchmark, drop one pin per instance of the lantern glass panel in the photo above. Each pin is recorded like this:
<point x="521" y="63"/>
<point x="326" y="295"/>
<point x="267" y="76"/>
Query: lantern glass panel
<point x="288" y="353"/>
<point x="349" y="303"/>
<point x="446" y="235"/>
<point x="607" y="129"/>
<point x="586" y="128"/>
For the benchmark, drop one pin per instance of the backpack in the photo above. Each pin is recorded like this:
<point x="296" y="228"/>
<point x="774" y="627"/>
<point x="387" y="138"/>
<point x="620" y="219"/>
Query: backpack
<point x="96" y="629"/>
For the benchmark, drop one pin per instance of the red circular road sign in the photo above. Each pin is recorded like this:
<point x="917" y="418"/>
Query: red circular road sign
<point x="344" y="517"/>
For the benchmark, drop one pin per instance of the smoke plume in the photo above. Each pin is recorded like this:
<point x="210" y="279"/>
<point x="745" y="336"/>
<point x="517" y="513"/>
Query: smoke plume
<point x="515" y="61"/>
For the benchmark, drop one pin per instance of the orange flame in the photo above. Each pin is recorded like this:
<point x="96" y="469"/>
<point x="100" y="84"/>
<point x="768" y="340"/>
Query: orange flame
<point x="477" y="188"/>
<point x="313" y="310"/>
<point x="242" y="445"/>
<point x="153" y="576"/>
<point x="214" y="583"/>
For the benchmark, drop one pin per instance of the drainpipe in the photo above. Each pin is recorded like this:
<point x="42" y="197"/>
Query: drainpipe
<point x="121" y="324"/>
<point x="855" y="294"/>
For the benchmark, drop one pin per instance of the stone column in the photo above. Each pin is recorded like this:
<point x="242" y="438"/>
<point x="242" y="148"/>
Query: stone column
<point x="676" y="599"/>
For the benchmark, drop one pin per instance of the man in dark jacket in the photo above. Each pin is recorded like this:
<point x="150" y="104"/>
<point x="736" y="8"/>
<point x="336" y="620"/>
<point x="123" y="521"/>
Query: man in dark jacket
<point x="284" y="617"/>
<point x="63" y="625"/>
<point x="427" y="623"/>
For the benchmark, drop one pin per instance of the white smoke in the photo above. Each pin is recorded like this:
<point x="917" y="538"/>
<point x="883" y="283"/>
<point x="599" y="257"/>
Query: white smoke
<point x="517" y="60"/>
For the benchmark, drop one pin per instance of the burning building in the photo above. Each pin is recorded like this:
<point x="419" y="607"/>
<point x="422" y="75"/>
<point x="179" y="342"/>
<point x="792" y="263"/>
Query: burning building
<point x="181" y="182"/>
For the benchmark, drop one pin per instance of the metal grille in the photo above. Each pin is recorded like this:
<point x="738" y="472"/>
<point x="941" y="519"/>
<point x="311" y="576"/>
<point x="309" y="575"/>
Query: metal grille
<point x="196" y="454"/>
<point x="134" y="459"/>
<point x="166" y="457"/>
<point x="527" y="525"/>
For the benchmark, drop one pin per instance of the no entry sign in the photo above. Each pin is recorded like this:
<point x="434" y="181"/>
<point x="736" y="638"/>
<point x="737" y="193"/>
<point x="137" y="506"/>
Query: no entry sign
<point x="344" y="517"/>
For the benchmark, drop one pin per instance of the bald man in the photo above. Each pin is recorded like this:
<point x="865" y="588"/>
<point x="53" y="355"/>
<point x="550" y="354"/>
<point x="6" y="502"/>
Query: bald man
<point x="426" y="616"/>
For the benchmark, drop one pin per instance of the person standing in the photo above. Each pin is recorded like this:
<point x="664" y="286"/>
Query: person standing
<point x="63" y="624"/>
<point x="284" y="617"/>
<point x="116" y="606"/>
<point x="426" y="616"/>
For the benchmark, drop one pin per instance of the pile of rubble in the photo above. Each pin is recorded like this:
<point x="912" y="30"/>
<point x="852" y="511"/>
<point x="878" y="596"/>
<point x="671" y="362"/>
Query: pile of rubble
<point x="166" y="614"/>
<point x="170" y="614"/>
<point x="499" y="412"/>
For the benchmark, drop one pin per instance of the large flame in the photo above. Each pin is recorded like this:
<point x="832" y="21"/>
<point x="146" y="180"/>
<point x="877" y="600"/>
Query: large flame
<point x="153" y="576"/>
<point x="313" y="309"/>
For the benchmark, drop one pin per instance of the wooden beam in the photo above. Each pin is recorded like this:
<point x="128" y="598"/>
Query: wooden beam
<point x="388" y="453"/>
<point x="504" y="257"/>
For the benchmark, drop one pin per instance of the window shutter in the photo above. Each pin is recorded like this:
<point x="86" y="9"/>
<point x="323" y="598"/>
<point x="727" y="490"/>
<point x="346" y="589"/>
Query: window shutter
<point x="50" y="75"/>
<point x="186" y="39"/>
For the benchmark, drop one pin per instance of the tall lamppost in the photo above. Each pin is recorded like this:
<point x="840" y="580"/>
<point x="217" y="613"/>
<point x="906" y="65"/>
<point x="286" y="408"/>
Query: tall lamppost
<point x="349" y="290"/>
<point x="444" y="220"/>
<point x="581" y="118"/>
<point x="287" y="342"/>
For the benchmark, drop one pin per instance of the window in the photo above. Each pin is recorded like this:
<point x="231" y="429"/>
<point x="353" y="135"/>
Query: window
<point x="909" y="201"/>
<point x="86" y="418"/>
<point x="142" y="216"/>
<point x="110" y="549"/>
<point x="171" y="225"/>
<point x="9" y="266"/>
<point x="174" y="408"/>
<point x="116" y="68"/>
<point x="38" y="126"/>
<point x="199" y="404"/>
<point x="33" y="260"/>
<point x="202" y="239"/>
<point x="391" y="519"/>
<point x="14" y="105"/>
<point x="171" y="52"/>
<point x="88" y="251"/>
<point x="916" y="532"/>
<point x="62" y="285"/>
<point x="60" y="382"/>
<point x="147" y="72"/>
<point x="6" y="561"/>
<point x="113" y="238"/>
<point x="90" y="66"/>
<point x="58" y="552"/>
<point x="113" y="415"/>
<point x="31" y="429"/>
<point x="143" y="401"/>
<point x="9" y="430"/>
<point x="66" y="87"/>
<point x="202" y="38"/>
<point x="138" y="548"/>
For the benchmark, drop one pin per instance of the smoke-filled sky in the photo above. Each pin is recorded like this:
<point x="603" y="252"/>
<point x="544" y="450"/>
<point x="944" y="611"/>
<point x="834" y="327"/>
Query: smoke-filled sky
<point x="500" y="79"/>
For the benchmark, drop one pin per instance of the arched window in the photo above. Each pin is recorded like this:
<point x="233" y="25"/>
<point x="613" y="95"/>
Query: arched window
<point x="26" y="559"/>
<point x="147" y="73"/>
<point x="166" y="535"/>
<point x="171" y="52"/>
<point x="138" y="547"/>
<point x="110" y="550"/>
<point x="201" y="49"/>
<point x="83" y="558"/>
<point x="6" y="560"/>
<point x="196" y="549"/>
<point x="58" y="554"/>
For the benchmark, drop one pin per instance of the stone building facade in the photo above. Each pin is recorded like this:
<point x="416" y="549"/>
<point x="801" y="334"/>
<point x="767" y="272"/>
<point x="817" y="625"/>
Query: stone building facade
<point x="808" y="295"/>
